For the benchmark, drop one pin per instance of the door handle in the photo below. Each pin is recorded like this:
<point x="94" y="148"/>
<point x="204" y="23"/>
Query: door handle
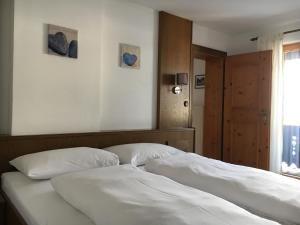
<point x="264" y="115"/>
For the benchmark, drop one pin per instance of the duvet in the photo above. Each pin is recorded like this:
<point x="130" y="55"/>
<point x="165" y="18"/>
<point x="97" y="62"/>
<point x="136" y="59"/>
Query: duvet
<point x="264" y="193"/>
<point x="125" y="195"/>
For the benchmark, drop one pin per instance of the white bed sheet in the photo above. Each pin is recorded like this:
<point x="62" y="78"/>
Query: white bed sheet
<point x="125" y="195"/>
<point x="38" y="202"/>
<point x="264" y="193"/>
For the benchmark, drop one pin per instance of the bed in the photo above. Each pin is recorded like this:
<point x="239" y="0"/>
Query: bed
<point x="127" y="189"/>
<point x="264" y="193"/>
<point x="39" y="204"/>
<point x="14" y="146"/>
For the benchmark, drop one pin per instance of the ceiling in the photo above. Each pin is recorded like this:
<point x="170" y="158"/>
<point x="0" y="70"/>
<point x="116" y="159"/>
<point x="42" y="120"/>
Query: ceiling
<point x="231" y="16"/>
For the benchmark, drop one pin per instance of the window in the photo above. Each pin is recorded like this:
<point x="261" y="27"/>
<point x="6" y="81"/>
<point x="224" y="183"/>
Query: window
<point x="291" y="110"/>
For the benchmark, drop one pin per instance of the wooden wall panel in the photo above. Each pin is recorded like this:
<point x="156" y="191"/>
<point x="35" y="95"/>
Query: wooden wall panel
<point x="175" y="38"/>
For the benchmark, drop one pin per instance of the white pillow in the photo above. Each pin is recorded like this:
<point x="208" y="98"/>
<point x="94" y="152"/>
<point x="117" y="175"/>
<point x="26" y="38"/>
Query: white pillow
<point x="48" y="164"/>
<point x="138" y="154"/>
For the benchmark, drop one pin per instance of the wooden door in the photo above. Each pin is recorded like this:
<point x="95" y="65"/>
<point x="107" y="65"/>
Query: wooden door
<point x="213" y="111"/>
<point x="247" y="106"/>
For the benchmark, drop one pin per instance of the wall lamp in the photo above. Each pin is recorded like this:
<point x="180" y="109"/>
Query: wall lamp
<point x="180" y="80"/>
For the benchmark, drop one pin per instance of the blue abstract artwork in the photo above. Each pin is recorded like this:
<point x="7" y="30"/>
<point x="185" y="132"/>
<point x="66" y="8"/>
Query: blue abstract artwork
<point x="129" y="59"/>
<point x="62" y="41"/>
<point x="130" y="56"/>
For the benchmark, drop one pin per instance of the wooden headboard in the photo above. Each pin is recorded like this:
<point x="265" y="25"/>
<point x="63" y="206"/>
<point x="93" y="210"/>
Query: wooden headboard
<point x="14" y="146"/>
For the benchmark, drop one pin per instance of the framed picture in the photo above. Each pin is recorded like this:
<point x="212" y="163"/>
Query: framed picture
<point x="199" y="81"/>
<point x="62" y="41"/>
<point x="130" y="56"/>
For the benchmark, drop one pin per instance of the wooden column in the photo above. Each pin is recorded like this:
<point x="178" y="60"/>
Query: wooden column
<point x="175" y="39"/>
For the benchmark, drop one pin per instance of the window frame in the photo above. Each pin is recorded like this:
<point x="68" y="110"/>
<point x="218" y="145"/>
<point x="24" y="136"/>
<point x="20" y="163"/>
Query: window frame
<point x="291" y="47"/>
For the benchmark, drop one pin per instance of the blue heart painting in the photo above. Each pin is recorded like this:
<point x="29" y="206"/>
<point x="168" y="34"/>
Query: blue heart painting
<point x="58" y="43"/>
<point x="62" y="41"/>
<point x="129" y="59"/>
<point x="130" y="56"/>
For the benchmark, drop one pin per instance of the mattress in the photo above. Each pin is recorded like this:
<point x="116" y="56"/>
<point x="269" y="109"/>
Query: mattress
<point x="38" y="203"/>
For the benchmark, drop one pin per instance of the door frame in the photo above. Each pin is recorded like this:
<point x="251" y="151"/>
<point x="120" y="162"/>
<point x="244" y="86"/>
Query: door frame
<point x="201" y="52"/>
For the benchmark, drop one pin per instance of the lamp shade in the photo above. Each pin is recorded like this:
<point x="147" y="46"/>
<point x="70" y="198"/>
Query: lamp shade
<point x="182" y="79"/>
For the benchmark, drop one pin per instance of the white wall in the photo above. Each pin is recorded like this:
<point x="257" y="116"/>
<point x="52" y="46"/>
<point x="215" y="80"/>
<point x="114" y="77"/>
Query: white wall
<point x="6" y="64"/>
<point x="198" y="94"/>
<point x="55" y="95"/>
<point x="52" y="94"/>
<point x="241" y="43"/>
<point x="292" y="38"/>
<point x="210" y="38"/>
<point x="198" y="103"/>
<point x="128" y="96"/>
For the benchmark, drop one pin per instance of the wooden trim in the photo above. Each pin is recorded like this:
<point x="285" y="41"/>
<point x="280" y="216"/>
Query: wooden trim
<point x="291" y="47"/>
<point x="191" y="85"/>
<point x="204" y="53"/>
<point x="43" y="136"/>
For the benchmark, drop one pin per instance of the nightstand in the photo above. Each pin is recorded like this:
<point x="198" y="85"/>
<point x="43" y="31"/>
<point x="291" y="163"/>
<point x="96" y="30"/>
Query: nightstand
<point x="2" y="208"/>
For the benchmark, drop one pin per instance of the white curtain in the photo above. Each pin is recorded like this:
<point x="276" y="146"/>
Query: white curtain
<point x="275" y="43"/>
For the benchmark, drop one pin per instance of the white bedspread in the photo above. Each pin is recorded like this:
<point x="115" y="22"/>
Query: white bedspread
<point x="38" y="203"/>
<point x="267" y="194"/>
<point x="125" y="195"/>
